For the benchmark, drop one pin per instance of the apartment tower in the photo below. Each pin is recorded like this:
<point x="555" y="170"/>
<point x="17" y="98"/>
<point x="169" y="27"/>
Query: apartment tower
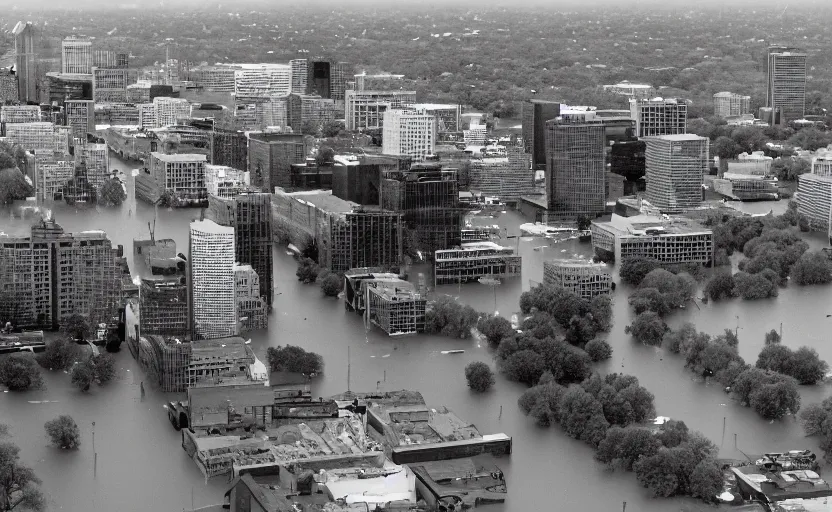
<point x="730" y="104"/>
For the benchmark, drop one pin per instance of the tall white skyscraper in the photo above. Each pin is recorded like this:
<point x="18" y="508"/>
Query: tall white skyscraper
<point x="676" y="166"/>
<point x="213" y="298"/>
<point x="300" y="71"/>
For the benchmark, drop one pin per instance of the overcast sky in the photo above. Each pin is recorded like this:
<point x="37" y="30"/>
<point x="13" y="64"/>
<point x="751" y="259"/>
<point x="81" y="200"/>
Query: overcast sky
<point x="428" y="5"/>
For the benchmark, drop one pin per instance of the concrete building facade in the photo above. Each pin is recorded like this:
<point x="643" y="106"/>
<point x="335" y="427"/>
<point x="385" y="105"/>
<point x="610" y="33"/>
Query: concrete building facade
<point x="508" y="178"/>
<point x="183" y="175"/>
<point x="50" y="275"/>
<point x="20" y="114"/>
<point x="163" y="307"/>
<point x="675" y="171"/>
<point x="585" y="278"/>
<point x="659" y="116"/>
<point x="270" y="156"/>
<point x="109" y="85"/>
<point x="250" y="215"/>
<point x="251" y="306"/>
<point x="364" y="110"/>
<point x="814" y="199"/>
<point x="80" y="117"/>
<point x="408" y="133"/>
<point x="730" y="104"/>
<point x="96" y="160"/>
<point x="76" y="56"/>
<point x="212" y="300"/>
<point x="674" y="240"/>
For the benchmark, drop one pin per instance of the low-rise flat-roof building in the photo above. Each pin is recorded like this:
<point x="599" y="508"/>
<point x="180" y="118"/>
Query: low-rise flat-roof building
<point x="474" y="260"/>
<point x="181" y="175"/>
<point x="632" y="90"/>
<point x="668" y="240"/>
<point x="585" y="278"/>
<point x="385" y="300"/>
<point x="347" y="234"/>
<point x="415" y="432"/>
<point x="799" y="490"/>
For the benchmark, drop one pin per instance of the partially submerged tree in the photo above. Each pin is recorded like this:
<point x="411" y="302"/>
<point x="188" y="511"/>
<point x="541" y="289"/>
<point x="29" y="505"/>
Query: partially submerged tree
<point x="59" y="354"/>
<point x="19" y="487"/>
<point x="63" y="432"/>
<point x="20" y="372"/>
<point x="294" y="359"/>
<point x="479" y="376"/>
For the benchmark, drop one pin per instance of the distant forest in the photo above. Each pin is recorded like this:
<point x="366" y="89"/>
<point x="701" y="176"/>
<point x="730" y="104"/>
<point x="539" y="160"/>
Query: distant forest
<point x="489" y="58"/>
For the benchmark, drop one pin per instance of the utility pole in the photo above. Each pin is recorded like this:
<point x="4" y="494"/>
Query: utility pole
<point x="349" y="364"/>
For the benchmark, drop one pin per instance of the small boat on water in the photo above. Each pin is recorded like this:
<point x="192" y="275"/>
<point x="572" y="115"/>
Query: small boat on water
<point x="453" y="352"/>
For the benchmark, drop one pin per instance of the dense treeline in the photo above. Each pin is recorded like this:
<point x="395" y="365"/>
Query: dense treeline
<point x="770" y="387"/>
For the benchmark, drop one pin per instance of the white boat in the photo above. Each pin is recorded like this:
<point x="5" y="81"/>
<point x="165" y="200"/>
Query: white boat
<point x="453" y="351"/>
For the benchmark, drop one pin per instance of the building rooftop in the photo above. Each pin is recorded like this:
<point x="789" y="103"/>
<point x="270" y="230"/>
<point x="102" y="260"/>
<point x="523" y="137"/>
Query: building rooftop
<point x="784" y="485"/>
<point x="209" y="226"/>
<point x="184" y="157"/>
<point x="577" y="263"/>
<point x="432" y="106"/>
<point x="219" y="349"/>
<point x="679" y="137"/>
<point x="325" y="200"/>
<point x="652" y="225"/>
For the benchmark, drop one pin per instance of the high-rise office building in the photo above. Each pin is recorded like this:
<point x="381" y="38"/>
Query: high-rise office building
<point x="80" y="117"/>
<point x="786" y="84"/>
<point x="229" y="148"/>
<point x="575" y="168"/>
<point x="259" y="80"/>
<point x="76" y="56"/>
<point x="300" y="75"/>
<point x="26" y="61"/>
<point x="659" y="116"/>
<point x="39" y="136"/>
<point x="535" y="114"/>
<point x="250" y="214"/>
<point x="50" y="275"/>
<point x="814" y="194"/>
<point x="675" y="170"/>
<point x="409" y="133"/>
<point x="270" y="156"/>
<point x="109" y="85"/>
<point x="730" y="104"/>
<point x="364" y="110"/>
<point x="212" y="299"/>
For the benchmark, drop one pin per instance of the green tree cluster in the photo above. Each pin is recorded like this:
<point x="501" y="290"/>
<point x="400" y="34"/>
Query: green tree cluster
<point x="60" y="354"/>
<point x="804" y="364"/>
<point x="812" y="268"/>
<point x="479" y="376"/>
<point x="494" y="328"/>
<point x="307" y="271"/>
<point x="662" y="292"/>
<point x="294" y="359"/>
<point x="817" y="421"/>
<point x="20" y="372"/>
<point x="112" y="193"/>
<point x="100" y="369"/>
<point x="19" y="486"/>
<point x="63" y="432"/>
<point x="579" y="319"/>
<point x="332" y="284"/>
<point x="586" y="411"/>
<point x="449" y="318"/>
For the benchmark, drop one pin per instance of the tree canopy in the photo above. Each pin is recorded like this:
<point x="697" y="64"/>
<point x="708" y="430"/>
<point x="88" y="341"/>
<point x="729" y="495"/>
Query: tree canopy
<point x="294" y="359"/>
